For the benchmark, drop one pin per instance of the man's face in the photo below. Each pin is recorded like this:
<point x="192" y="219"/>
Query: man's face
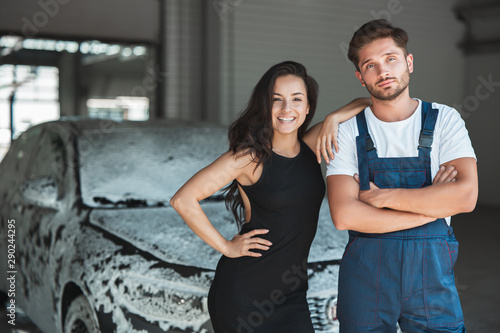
<point x="384" y="69"/>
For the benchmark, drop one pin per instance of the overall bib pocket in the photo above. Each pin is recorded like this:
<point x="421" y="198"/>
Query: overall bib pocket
<point x="399" y="178"/>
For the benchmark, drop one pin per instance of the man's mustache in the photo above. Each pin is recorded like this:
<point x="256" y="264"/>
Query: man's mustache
<point x="387" y="78"/>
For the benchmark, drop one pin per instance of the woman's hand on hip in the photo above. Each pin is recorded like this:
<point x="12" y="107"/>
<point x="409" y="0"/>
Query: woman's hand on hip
<point x="241" y="245"/>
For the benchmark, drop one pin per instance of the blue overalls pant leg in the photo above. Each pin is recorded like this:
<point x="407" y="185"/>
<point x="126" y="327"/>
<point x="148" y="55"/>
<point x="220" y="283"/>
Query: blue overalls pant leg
<point x="404" y="276"/>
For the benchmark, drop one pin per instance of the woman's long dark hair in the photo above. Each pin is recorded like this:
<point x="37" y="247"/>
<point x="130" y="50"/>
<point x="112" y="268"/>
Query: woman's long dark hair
<point x="252" y="132"/>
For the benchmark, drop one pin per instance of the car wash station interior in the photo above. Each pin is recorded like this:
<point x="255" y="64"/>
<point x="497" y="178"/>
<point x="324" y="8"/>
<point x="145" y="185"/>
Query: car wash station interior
<point x="132" y="97"/>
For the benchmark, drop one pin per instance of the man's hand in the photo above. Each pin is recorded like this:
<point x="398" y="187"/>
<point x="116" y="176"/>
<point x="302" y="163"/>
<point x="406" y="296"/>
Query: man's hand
<point x="445" y="175"/>
<point x="370" y="196"/>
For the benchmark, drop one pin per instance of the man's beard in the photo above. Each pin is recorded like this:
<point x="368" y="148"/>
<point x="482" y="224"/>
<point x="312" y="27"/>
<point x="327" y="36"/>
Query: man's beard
<point x="392" y="93"/>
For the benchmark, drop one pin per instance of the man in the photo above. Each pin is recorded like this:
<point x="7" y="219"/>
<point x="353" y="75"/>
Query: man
<point x="398" y="264"/>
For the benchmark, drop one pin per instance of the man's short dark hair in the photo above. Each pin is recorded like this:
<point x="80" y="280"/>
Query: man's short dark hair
<point x="374" y="30"/>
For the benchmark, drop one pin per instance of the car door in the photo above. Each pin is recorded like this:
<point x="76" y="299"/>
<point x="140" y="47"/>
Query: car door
<point x="12" y="172"/>
<point x="41" y="193"/>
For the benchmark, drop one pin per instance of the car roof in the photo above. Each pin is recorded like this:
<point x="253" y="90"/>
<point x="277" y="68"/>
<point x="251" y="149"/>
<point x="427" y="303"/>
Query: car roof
<point x="78" y="125"/>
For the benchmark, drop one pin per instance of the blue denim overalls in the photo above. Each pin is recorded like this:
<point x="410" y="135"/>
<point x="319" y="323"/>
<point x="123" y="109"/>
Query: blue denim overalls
<point x="404" y="276"/>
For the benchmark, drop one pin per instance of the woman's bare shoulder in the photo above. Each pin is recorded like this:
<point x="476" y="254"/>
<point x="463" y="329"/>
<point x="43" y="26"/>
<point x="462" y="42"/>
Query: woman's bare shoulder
<point x="240" y="159"/>
<point x="246" y="163"/>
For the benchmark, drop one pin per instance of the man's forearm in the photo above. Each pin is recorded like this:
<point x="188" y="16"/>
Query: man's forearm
<point x="359" y="216"/>
<point x="439" y="200"/>
<point x="349" y="213"/>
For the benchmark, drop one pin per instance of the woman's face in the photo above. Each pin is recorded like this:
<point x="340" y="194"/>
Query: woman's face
<point x="289" y="104"/>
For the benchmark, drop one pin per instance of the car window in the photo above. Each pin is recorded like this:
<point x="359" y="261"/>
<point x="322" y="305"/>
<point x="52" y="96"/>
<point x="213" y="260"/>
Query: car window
<point x="133" y="167"/>
<point x="50" y="158"/>
<point x="21" y="152"/>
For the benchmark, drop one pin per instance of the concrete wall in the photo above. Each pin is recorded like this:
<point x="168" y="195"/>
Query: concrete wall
<point x="256" y="34"/>
<point x="124" y="20"/>
<point x="317" y="33"/>
<point x="481" y="111"/>
<point x="192" y="60"/>
<point x="480" y="102"/>
<point x="216" y="50"/>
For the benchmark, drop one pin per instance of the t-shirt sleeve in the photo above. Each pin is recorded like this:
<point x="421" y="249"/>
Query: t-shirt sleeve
<point x="454" y="138"/>
<point x="345" y="161"/>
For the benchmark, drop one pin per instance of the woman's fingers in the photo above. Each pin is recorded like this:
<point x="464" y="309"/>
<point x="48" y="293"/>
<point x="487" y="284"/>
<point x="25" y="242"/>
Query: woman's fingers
<point x="252" y="254"/>
<point x="259" y="241"/>
<point x="255" y="232"/>
<point x="334" y="144"/>
<point x="327" y="148"/>
<point x="243" y="245"/>
<point x="251" y="239"/>
<point x="256" y="246"/>
<point x="319" y="148"/>
<point x="324" y="147"/>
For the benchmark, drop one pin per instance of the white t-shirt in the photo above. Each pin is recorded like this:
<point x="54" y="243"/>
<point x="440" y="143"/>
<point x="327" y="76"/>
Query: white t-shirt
<point x="400" y="139"/>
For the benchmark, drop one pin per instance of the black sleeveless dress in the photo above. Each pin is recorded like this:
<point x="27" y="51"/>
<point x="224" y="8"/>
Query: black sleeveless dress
<point x="268" y="293"/>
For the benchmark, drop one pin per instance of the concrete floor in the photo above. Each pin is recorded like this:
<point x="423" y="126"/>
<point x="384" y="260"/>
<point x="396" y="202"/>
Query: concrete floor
<point x="477" y="274"/>
<point x="477" y="271"/>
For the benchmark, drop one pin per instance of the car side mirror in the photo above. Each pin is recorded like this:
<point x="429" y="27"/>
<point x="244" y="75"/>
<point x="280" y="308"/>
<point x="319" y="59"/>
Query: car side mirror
<point x="40" y="191"/>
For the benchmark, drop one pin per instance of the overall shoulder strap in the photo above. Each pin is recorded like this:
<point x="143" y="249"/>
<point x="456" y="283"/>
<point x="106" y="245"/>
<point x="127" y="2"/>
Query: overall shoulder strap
<point x="363" y="130"/>
<point x="429" y="117"/>
<point x="364" y="144"/>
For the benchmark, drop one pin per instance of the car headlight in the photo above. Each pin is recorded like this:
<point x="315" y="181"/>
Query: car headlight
<point x="158" y="299"/>
<point x="331" y="310"/>
<point x="323" y="313"/>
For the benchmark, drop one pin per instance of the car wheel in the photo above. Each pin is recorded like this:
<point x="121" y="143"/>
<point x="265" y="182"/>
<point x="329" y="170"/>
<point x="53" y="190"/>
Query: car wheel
<point x="80" y="317"/>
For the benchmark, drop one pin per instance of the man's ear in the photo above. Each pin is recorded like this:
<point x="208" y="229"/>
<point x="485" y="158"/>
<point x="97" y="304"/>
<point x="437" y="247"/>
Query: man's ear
<point x="360" y="78"/>
<point x="409" y="61"/>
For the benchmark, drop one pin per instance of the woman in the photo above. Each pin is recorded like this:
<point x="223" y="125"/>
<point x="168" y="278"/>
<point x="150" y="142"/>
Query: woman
<point x="275" y="194"/>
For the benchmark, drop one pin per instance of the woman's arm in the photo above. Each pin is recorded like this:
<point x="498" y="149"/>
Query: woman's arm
<point x="202" y="185"/>
<point x="321" y="136"/>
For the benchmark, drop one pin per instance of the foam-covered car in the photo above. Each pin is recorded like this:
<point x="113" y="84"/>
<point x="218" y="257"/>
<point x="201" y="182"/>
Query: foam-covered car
<point x="91" y="244"/>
